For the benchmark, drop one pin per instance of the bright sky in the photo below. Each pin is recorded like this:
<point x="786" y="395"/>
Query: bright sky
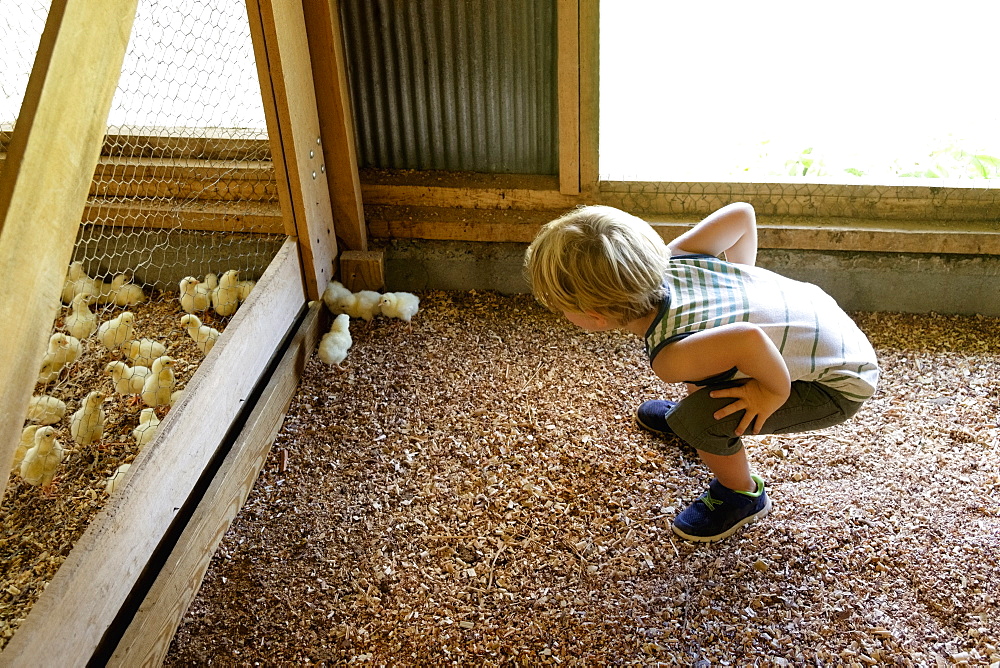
<point x="691" y="89"/>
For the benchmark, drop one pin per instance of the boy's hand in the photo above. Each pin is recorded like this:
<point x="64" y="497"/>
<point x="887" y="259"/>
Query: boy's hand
<point x="752" y="396"/>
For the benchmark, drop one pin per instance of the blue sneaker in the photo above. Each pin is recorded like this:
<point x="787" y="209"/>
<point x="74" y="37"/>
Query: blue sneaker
<point x="721" y="511"/>
<point x="652" y="416"/>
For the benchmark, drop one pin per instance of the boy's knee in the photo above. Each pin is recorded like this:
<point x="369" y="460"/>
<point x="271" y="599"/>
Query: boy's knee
<point x="693" y="421"/>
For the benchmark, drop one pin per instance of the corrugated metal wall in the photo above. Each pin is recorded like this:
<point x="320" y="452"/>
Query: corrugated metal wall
<point x="465" y="85"/>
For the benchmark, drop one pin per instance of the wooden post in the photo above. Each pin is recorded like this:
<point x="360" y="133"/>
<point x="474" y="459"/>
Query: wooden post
<point x="44" y="183"/>
<point x="362" y="270"/>
<point x="336" y="121"/>
<point x="282" y="53"/>
<point x="568" y="87"/>
<point x="589" y="95"/>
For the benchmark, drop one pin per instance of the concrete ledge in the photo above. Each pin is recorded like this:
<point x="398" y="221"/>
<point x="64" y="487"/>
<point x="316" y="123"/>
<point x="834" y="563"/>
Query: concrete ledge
<point x="859" y="281"/>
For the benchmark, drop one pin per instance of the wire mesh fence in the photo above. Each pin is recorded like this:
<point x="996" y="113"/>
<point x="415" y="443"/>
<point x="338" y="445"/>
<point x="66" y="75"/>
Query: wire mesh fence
<point x="184" y="187"/>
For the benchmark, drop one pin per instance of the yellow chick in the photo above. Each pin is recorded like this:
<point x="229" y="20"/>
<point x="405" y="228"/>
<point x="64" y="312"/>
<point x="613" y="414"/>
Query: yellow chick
<point x="129" y="293"/>
<point x="27" y="440"/>
<point x="77" y="282"/>
<point x="203" y="335"/>
<point x="364" y="304"/>
<point x="244" y="288"/>
<point x="49" y="371"/>
<point x="106" y="291"/>
<point x="400" y="305"/>
<point x="143" y="351"/>
<point x="335" y="296"/>
<point x="113" y="333"/>
<point x="63" y="348"/>
<point x="45" y="409"/>
<point x="334" y="345"/>
<point x="159" y="384"/>
<point x="195" y="296"/>
<point x="144" y="432"/>
<point x="211" y="282"/>
<point x="86" y="426"/>
<point x="117" y="479"/>
<point x="176" y="396"/>
<point x="226" y="297"/>
<point x="129" y="380"/>
<point x="81" y="322"/>
<point x="41" y="461"/>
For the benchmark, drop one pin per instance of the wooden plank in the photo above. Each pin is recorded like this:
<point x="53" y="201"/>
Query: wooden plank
<point x="262" y="218"/>
<point x="568" y="94"/>
<point x="185" y="178"/>
<point x="336" y="120"/>
<point x="363" y="270"/>
<point x="465" y="197"/>
<point x="147" y="639"/>
<point x="589" y="95"/>
<point x="282" y="53"/>
<point x="44" y="183"/>
<point x="75" y="610"/>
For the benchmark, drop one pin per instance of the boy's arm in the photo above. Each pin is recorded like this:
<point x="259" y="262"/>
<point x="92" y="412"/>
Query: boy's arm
<point x="731" y="230"/>
<point x="714" y="351"/>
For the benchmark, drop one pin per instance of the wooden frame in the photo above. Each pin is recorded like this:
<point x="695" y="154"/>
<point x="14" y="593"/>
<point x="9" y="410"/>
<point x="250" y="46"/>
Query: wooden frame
<point x="78" y="64"/>
<point x="70" y="619"/>
<point x="568" y="98"/>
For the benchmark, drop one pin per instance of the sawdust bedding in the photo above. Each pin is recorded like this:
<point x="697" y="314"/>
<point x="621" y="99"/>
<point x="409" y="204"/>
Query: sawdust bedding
<point x="475" y="493"/>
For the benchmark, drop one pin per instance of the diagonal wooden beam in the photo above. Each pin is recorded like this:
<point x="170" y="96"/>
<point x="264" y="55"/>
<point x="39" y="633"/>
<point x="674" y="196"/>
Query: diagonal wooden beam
<point x="43" y="186"/>
<point x="281" y="49"/>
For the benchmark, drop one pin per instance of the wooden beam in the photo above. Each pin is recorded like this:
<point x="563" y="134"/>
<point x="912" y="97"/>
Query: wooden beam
<point x="568" y="94"/>
<point x="363" y="270"/>
<point x="78" y="606"/>
<point x="289" y="95"/>
<point x="336" y="120"/>
<point x="147" y="639"/>
<point x="44" y="182"/>
<point x="590" y="102"/>
<point x="258" y="218"/>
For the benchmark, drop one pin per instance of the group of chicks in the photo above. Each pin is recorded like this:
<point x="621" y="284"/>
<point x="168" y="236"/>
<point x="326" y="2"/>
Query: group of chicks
<point x="365" y="304"/>
<point x="222" y="295"/>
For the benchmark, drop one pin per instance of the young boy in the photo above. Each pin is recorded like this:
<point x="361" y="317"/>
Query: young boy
<point x="759" y="352"/>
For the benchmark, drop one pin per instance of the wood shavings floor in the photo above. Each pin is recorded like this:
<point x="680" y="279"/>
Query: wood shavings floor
<point x="475" y="493"/>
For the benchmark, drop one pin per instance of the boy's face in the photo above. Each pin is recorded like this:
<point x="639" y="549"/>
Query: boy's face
<point x="592" y="322"/>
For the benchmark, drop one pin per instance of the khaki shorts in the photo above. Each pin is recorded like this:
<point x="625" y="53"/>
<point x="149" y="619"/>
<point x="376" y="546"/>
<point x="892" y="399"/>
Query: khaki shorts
<point x="810" y="406"/>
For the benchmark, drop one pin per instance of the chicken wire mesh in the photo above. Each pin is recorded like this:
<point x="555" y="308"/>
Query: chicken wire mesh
<point x="184" y="187"/>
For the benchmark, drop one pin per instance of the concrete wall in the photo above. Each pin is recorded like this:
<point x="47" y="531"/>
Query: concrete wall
<point x="912" y="283"/>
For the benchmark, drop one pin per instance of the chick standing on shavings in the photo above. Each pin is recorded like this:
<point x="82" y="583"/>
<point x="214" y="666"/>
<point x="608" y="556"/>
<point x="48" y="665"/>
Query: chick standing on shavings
<point x="143" y="351"/>
<point x="41" y="461"/>
<point x="159" y="384"/>
<point x="363" y="304"/>
<point x="86" y="425"/>
<point x="226" y="297"/>
<point x="81" y="322"/>
<point x="128" y="380"/>
<point x="23" y="445"/>
<point x="77" y="282"/>
<point x="113" y="333"/>
<point x="62" y="350"/>
<point x="195" y="295"/>
<point x="128" y="294"/>
<point x="334" y="345"/>
<point x="203" y="335"/>
<point x="335" y="295"/>
<point x="146" y="429"/>
<point x="45" y="409"/>
<point x="400" y="305"/>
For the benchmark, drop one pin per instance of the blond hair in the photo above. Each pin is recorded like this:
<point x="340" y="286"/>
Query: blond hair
<point x="598" y="259"/>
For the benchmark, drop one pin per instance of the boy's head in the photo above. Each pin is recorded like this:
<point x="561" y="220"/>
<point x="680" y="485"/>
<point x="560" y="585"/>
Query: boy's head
<point x="600" y="260"/>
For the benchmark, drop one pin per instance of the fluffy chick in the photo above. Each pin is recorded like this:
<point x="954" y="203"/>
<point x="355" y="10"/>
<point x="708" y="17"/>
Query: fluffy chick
<point x="195" y="295"/>
<point x="77" y="282"/>
<point x="334" y="345"/>
<point x="335" y="295"/>
<point x="400" y="305"/>
<point x="117" y="479"/>
<point x="143" y="351"/>
<point x="113" y="333"/>
<point x="41" y="461"/>
<point x="364" y="304"/>
<point x="128" y="294"/>
<point x="27" y="440"/>
<point x="63" y="348"/>
<point x="226" y="297"/>
<point x="106" y="291"/>
<point x="203" y="335"/>
<point x="159" y="384"/>
<point x="244" y="288"/>
<point x="128" y="380"/>
<point x="81" y="321"/>
<point x="45" y="409"/>
<point x="49" y="371"/>
<point x="86" y="425"/>
<point x="144" y="432"/>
